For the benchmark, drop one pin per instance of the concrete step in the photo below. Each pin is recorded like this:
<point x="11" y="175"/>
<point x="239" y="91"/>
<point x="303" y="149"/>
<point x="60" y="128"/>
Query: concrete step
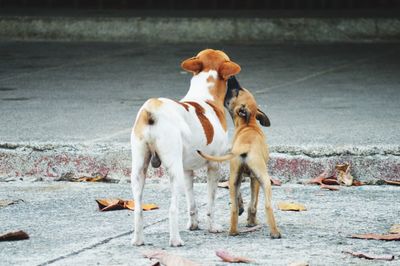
<point x="289" y="164"/>
<point x="191" y="26"/>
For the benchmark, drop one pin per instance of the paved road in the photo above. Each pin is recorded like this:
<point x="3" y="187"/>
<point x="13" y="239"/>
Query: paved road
<point x="321" y="95"/>
<point x="66" y="227"/>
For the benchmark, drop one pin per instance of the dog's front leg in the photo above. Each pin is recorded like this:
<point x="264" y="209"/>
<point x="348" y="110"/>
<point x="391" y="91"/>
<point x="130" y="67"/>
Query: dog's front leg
<point x="193" y="223"/>
<point x="212" y="182"/>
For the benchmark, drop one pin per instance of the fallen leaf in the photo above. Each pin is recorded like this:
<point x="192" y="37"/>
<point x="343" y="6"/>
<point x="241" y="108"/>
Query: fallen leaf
<point x="98" y="178"/>
<point x="357" y="183"/>
<point x="119" y="204"/>
<point x="389" y="237"/>
<point x="4" y="203"/>
<point x="369" y="256"/>
<point x="251" y="229"/>
<point x="323" y="186"/>
<point x="14" y="236"/>
<point x="318" y="180"/>
<point x="286" y="206"/>
<point x="130" y="204"/>
<point x="227" y="257"/>
<point x="276" y="182"/>
<point x="343" y="174"/>
<point x="330" y="181"/>
<point x="224" y="184"/>
<point x="391" y="182"/>
<point x="168" y="259"/>
<point x="395" y="229"/>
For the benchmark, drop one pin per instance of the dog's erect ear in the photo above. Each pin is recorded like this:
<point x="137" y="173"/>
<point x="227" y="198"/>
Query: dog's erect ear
<point x="262" y="118"/>
<point x="228" y="69"/>
<point x="245" y="113"/>
<point x="193" y="65"/>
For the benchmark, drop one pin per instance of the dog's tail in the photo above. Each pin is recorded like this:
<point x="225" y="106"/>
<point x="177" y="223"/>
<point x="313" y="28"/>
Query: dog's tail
<point x="222" y="158"/>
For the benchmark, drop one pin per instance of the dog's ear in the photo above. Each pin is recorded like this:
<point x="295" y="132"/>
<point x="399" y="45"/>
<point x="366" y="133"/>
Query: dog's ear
<point x="245" y="113"/>
<point x="262" y="118"/>
<point x="193" y="65"/>
<point x="228" y="69"/>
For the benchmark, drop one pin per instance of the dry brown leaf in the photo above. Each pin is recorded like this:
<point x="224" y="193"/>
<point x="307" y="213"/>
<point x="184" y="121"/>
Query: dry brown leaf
<point x="130" y="204"/>
<point x="395" y="229"/>
<point x="287" y="206"/>
<point x="119" y="204"/>
<point x="343" y="174"/>
<point x="168" y="259"/>
<point x="357" y="183"/>
<point x="227" y="257"/>
<point x="251" y="229"/>
<point x="318" y="180"/>
<point x="389" y="237"/>
<point x="14" y="236"/>
<point x="369" y="256"/>
<point x="330" y="181"/>
<point x="323" y="186"/>
<point x="98" y="178"/>
<point x="392" y="182"/>
<point x="4" y="203"/>
<point x="224" y="184"/>
<point x="276" y="182"/>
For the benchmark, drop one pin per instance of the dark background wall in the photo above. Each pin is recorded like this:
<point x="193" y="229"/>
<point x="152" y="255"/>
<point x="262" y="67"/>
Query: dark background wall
<point x="207" y="4"/>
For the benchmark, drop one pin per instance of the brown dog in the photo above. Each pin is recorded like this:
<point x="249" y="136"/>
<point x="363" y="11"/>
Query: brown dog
<point x="249" y="155"/>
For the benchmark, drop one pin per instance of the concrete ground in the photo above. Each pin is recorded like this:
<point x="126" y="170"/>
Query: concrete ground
<point x="66" y="108"/>
<point x="66" y="227"/>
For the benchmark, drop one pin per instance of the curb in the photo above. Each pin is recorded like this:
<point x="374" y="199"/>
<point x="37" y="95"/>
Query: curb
<point x="184" y="29"/>
<point x="52" y="162"/>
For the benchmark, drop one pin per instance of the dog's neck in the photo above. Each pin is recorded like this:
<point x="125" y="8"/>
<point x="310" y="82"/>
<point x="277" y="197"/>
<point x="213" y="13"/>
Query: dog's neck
<point x="206" y="86"/>
<point x="240" y="122"/>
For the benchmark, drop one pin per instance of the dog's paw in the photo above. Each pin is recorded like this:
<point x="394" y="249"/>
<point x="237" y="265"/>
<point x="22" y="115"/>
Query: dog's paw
<point x="136" y="241"/>
<point x="275" y="235"/>
<point x="192" y="226"/>
<point x="233" y="232"/>
<point x="176" y="242"/>
<point x="215" y="228"/>
<point x="252" y="223"/>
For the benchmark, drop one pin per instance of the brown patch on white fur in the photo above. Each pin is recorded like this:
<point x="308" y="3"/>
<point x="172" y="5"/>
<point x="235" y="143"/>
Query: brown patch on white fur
<point x="184" y="105"/>
<point x="146" y="117"/>
<point x="220" y="112"/>
<point x="205" y="123"/>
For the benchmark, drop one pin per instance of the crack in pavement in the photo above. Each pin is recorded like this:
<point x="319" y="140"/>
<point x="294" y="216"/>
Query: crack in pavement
<point x="105" y="241"/>
<point x="322" y="72"/>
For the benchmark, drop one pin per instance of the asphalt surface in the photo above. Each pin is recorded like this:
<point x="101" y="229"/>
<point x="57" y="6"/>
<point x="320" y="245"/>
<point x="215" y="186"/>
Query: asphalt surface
<point x="315" y="95"/>
<point x="66" y="227"/>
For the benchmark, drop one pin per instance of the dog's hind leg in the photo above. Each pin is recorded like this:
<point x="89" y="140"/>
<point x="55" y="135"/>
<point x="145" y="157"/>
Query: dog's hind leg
<point x="234" y="187"/>
<point x="193" y="223"/>
<point x="212" y="182"/>
<point x="141" y="157"/>
<point x="169" y="149"/>
<point x="252" y="209"/>
<point x="175" y="169"/>
<point x="259" y="168"/>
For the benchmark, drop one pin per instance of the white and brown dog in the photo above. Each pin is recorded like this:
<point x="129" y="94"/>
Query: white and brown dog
<point x="170" y="132"/>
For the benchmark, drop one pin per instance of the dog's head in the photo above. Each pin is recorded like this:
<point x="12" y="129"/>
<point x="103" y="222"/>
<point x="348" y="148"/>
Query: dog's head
<point x="210" y="59"/>
<point x="242" y="106"/>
